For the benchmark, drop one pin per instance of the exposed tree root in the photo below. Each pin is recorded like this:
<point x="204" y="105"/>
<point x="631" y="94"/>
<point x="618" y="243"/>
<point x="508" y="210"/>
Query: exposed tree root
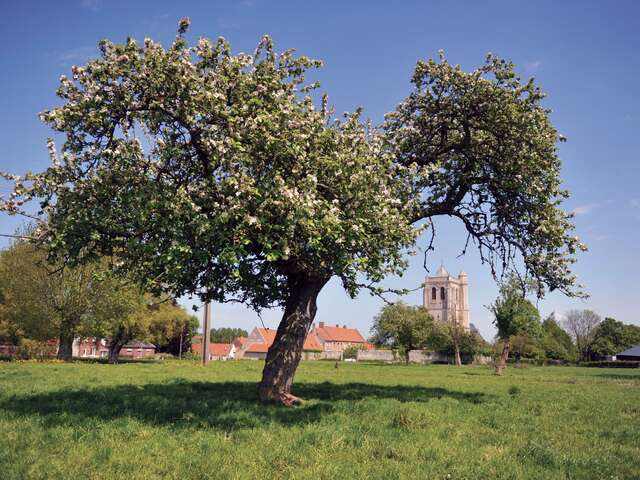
<point x="286" y="399"/>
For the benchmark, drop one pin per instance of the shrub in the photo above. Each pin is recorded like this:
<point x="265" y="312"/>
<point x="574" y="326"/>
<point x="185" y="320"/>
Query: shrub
<point x="191" y="356"/>
<point x="163" y="356"/>
<point x="30" y="349"/>
<point x="350" y="352"/>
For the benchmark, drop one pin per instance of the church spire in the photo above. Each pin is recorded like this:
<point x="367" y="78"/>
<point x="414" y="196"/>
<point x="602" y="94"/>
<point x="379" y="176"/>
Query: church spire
<point x="442" y="272"/>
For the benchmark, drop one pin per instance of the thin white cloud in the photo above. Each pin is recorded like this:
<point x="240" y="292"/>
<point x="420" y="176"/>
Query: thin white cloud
<point x="533" y="66"/>
<point x="584" y="209"/>
<point x="77" y="55"/>
<point x="91" y="4"/>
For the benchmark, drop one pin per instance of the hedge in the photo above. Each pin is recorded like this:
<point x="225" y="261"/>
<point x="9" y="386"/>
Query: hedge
<point x="612" y="364"/>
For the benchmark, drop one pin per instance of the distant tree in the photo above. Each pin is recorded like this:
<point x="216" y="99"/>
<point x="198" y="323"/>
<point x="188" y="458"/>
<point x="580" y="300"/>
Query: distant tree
<point x="138" y="316"/>
<point x="514" y="315"/>
<point x="402" y="328"/>
<point x="612" y="336"/>
<point x="44" y="301"/>
<point x="169" y="322"/>
<point x="226" y="335"/>
<point x="556" y="342"/>
<point x="581" y="326"/>
<point x="120" y="315"/>
<point x="180" y="343"/>
<point x="453" y="340"/>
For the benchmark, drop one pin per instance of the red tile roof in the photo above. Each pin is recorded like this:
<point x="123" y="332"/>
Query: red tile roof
<point x="258" y="348"/>
<point x="219" y="349"/>
<point x="269" y="335"/>
<point x="339" y="334"/>
<point x="312" y="342"/>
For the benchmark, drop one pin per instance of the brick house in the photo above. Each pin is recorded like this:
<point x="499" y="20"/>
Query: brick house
<point x="7" y="350"/>
<point x="257" y="344"/>
<point x="99" y="348"/>
<point x="138" y="349"/>
<point x="90" y="348"/>
<point x="336" y="339"/>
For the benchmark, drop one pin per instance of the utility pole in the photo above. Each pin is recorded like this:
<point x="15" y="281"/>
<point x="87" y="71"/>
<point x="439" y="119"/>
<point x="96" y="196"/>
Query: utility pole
<point x="206" y="332"/>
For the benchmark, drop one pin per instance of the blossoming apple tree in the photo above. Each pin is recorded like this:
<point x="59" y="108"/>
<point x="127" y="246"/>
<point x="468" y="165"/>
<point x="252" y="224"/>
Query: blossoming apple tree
<point x="212" y="174"/>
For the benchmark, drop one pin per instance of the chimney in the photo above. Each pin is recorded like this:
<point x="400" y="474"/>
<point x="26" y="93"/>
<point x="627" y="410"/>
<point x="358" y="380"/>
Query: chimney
<point x="321" y="324"/>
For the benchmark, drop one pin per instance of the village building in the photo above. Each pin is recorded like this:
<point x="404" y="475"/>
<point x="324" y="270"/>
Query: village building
<point x="257" y="344"/>
<point x="632" y="353"/>
<point x="90" y="348"/>
<point x="337" y="339"/>
<point x="241" y="344"/>
<point x="99" y="348"/>
<point x="217" y="351"/>
<point x="447" y="298"/>
<point x="138" y="349"/>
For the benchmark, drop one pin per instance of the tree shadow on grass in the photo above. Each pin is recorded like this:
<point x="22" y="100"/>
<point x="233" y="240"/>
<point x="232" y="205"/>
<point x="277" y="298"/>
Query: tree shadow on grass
<point x="226" y="405"/>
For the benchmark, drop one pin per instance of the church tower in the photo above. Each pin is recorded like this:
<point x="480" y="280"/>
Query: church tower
<point x="447" y="298"/>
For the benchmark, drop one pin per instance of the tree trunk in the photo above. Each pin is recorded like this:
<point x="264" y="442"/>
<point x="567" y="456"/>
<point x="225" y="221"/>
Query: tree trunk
<point x="65" y="346"/>
<point x="115" y="345"/>
<point x="285" y="353"/>
<point x="457" y="354"/>
<point x="503" y="358"/>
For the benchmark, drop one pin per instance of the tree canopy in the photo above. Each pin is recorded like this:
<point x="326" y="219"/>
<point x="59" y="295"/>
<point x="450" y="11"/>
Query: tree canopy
<point x="402" y="327"/>
<point x="581" y="325"/>
<point x="210" y="173"/>
<point x="612" y="336"/>
<point x="226" y="335"/>
<point x="514" y="314"/>
<point x="480" y="147"/>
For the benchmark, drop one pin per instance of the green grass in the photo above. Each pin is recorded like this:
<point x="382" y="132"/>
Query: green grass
<point x="179" y="420"/>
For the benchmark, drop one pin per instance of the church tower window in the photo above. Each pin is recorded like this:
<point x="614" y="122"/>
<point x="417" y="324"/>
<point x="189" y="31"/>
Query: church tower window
<point x="442" y="294"/>
<point x="433" y="293"/>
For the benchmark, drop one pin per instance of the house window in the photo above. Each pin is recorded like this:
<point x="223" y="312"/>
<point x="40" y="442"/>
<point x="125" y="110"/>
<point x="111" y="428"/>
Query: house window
<point x="442" y="294"/>
<point x="433" y="293"/>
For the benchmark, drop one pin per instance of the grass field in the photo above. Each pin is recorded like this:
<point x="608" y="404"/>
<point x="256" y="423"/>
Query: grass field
<point x="179" y="420"/>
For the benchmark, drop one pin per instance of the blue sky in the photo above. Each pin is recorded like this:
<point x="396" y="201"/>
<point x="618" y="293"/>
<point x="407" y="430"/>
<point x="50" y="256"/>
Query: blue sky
<point x="584" y="54"/>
